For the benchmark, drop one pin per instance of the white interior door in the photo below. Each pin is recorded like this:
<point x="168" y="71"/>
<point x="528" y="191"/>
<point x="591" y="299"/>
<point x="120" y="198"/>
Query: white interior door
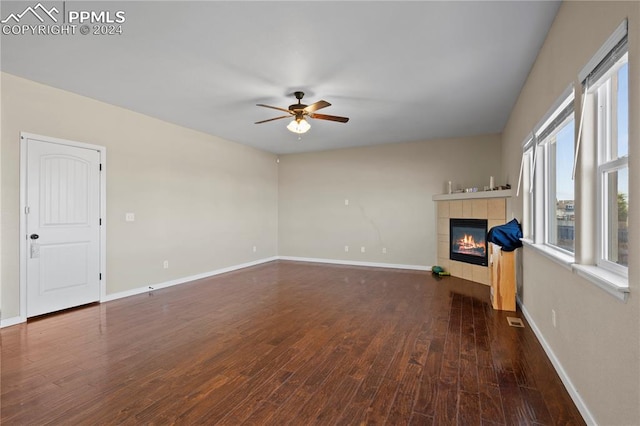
<point x="63" y="226"/>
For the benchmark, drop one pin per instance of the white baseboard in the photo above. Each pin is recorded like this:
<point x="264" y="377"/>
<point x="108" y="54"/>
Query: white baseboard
<point x="357" y="263"/>
<point x="183" y="280"/>
<point x="573" y="392"/>
<point x="8" y="322"/>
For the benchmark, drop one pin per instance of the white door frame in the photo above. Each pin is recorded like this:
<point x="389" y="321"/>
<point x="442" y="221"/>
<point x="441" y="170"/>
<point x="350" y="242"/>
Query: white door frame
<point x="24" y="246"/>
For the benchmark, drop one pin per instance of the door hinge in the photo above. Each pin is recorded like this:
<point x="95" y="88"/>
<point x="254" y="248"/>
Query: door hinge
<point x="100" y="166"/>
<point x="27" y="210"/>
<point x="100" y="274"/>
<point x="100" y="221"/>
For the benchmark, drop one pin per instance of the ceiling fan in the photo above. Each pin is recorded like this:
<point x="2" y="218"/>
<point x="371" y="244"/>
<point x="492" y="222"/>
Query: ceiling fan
<point x="300" y="112"/>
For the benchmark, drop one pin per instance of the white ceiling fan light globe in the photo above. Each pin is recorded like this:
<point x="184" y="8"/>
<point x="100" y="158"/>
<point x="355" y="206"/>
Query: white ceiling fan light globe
<point x="299" y="126"/>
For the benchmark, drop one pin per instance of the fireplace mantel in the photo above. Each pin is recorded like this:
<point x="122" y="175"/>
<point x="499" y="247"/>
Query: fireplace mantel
<point x="505" y="193"/>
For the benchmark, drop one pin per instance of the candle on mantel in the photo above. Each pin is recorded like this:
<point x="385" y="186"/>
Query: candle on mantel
<point x="491" y="186"/>
<point x="449" y="187"/>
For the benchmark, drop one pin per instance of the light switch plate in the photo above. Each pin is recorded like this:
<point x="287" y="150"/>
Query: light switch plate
<point x="130" y="217"/>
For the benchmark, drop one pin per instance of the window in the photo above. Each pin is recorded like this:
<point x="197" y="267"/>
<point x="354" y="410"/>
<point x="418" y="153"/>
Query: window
<point x="605" y="80"/>
<point x="612" y="138"/>
<point x="525" y="181"/>
<point x="528" y="222"/>
<point x="598" y="160"/>
<point x="552" y="206"/>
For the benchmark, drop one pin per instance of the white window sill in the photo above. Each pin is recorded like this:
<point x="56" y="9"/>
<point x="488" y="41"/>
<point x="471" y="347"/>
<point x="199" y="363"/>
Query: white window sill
<point x="559" y="257"/>
<point x="614" y="284"/>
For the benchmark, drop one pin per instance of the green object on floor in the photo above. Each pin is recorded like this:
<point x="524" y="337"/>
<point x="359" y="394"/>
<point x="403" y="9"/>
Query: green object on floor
<point x="439" y="271"/>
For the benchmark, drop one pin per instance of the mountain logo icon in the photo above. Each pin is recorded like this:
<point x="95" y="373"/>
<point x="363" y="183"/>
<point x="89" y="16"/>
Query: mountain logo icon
<point x="38" y="11"/>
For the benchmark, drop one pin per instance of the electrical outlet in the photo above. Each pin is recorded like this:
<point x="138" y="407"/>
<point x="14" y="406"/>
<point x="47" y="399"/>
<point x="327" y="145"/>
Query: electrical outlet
<point x="384" y="250"/>
<point x="130" y="217"/>
<point x="553" y="318"/>
<point x="255" y="249"/>
<point x="362" y="250"/>
<point x="165" y="264"/>
<point x="346" y="248"/>
<point x="346" y="202"/>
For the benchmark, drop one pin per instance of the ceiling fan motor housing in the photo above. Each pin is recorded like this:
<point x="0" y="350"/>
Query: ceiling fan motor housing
<point x="299" y="105"/>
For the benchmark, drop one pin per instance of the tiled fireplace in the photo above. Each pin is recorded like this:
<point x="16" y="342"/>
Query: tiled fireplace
<point x="491" y="208"/>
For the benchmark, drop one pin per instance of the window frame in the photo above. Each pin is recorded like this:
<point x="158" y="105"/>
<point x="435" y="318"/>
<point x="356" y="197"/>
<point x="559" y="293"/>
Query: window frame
<point x="552" y="123"/>
<point x="604" y="97"/>
<point x="529" y="215"/>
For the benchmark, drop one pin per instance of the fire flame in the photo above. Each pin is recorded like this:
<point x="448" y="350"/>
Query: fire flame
<point x="467" y="244"/>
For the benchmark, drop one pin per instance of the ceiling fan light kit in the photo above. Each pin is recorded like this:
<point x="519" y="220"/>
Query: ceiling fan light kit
<point x="301" y="112"/>
<point x="299" y="126"/>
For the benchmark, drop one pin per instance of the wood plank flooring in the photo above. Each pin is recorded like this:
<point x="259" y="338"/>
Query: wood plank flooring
<point x="284" y="343"/>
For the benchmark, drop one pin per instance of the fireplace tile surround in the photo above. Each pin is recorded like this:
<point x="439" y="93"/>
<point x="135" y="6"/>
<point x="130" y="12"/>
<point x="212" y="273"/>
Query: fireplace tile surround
<point x="483" y="205"/>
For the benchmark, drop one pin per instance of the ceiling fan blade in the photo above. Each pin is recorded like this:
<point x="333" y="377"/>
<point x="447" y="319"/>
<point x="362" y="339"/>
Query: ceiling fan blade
<point x="271" y="119"/>
<point x="330" y="117"/>
<point x="272" y="107"/>
<point x="316" y="106"/>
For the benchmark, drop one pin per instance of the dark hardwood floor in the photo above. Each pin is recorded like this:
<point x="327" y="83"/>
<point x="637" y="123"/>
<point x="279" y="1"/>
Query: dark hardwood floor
<point x="284" y="343"/>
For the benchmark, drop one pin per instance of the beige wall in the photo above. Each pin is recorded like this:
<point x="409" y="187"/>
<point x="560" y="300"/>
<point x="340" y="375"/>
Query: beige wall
<point x="200" y="202"/>
<point x="389" y="188"/>
<point x="597" y="336"/>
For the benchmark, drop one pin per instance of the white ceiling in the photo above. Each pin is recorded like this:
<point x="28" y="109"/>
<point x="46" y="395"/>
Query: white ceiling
<point x="402" y="71"/>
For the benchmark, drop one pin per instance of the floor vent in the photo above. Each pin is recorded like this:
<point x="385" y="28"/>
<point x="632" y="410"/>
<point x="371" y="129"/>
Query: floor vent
<point x="515" y="322"/>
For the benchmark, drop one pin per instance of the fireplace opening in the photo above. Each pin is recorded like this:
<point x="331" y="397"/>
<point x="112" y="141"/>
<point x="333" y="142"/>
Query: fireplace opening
<point x="468" y="241"/>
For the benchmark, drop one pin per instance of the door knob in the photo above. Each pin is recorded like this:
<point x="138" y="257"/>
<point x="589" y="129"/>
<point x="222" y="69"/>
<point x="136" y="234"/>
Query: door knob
<point x="34" y="236"/>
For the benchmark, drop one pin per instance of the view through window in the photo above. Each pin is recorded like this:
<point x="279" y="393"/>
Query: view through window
<point x="561" y="201"/>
